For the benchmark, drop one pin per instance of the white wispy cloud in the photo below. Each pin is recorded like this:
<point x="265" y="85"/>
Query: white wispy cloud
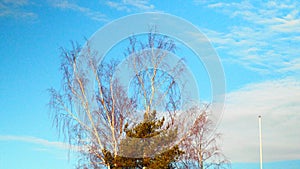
<point x="16" y="2"/>
<point x="131" y="5"/>
<point x="39" y="141"/>
<point x="267" y="37"/>
<point x="255" y="49"/>
<point x="65" y="4"/>
<point x="15" y="9"/>
<point x="294" y="65"/>
<point x="278" y="103"/>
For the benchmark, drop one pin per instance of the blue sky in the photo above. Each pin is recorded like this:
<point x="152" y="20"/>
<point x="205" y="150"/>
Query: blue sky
<point x="257" y="42"/>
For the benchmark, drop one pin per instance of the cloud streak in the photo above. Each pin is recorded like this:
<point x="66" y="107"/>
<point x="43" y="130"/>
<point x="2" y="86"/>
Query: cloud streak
<point x="131" y="5"/>
<point x="38" y="141"/>
<point x="266" y="39"/>
<point x="95" y="15"/>
<point x="15" y="9"/>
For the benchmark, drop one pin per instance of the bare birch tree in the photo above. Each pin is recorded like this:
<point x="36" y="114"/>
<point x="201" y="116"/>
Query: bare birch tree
<point x="95" y="122"/>
<point x="201" y="143"/>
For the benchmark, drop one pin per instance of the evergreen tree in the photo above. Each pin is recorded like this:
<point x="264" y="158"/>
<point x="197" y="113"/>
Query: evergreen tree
<point x="147" y="145"/>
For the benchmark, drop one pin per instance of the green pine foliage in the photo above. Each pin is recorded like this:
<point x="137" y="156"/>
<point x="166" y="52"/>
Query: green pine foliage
<point x="147" y="144"/>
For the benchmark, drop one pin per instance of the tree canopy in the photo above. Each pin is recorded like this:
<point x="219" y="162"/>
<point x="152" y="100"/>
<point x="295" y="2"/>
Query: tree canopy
<point x="102" y="118"/>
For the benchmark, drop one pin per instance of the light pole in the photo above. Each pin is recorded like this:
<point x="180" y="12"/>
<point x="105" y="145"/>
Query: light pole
<point x="260" y="142"/>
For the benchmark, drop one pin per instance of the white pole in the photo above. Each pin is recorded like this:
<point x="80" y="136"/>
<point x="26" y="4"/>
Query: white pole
<point x="260" y="142"/>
